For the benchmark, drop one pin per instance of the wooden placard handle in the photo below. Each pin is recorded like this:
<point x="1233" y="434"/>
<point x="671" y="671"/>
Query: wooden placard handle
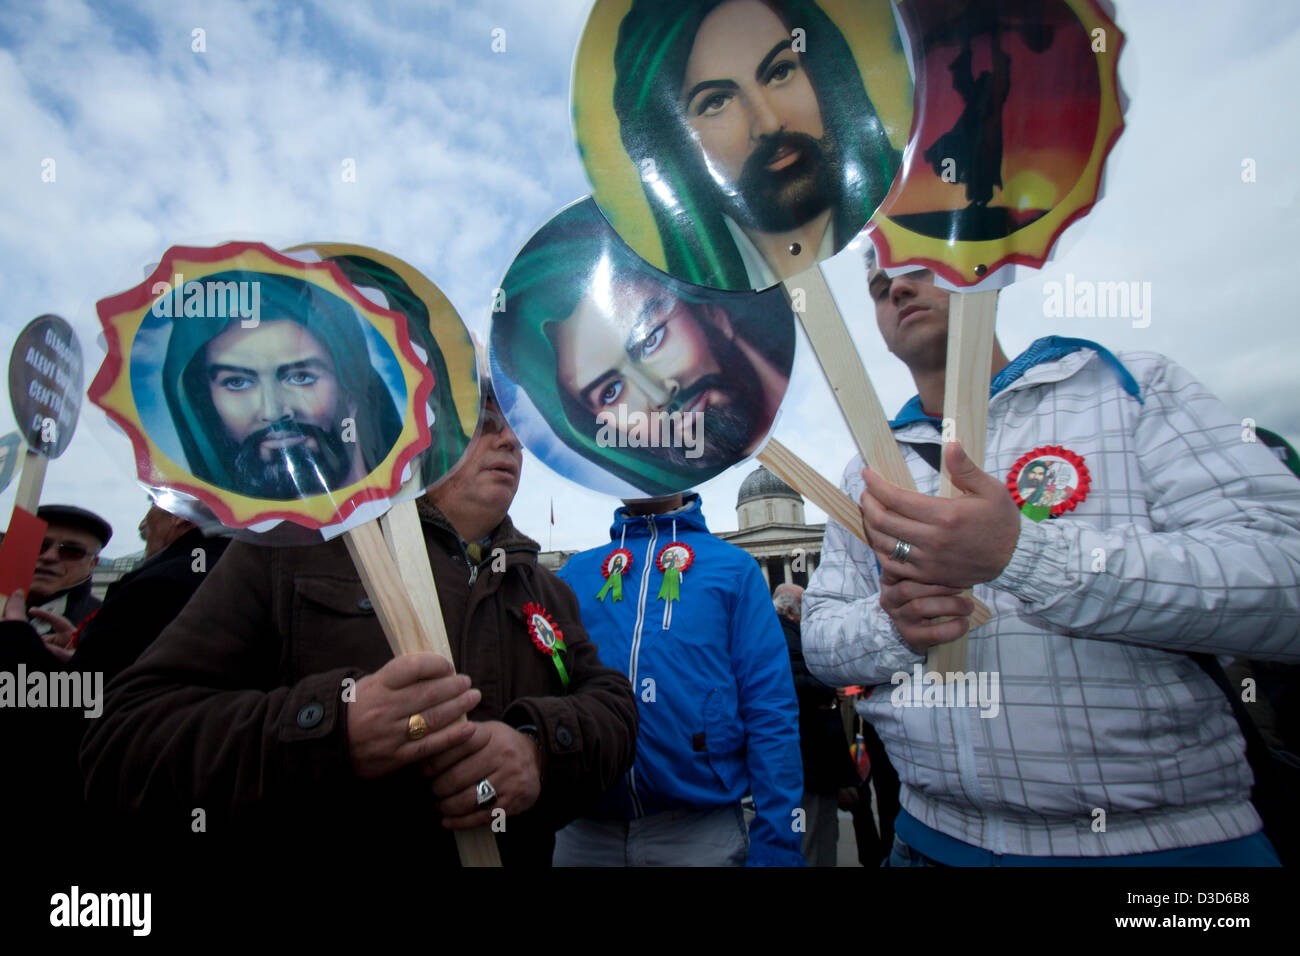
<point x="971" y="320"/>
<point x="406" y="604"/>
<point x="846" y="375"/>
<point x="796" y="473"/>
<point x="405" y="539"/>
<point x="31" y="481"/>
<point x="848" y="379"/>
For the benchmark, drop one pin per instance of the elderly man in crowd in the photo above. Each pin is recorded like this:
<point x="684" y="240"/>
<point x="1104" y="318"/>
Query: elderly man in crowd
<point x="274" y="705"/>
<point x="61" y="584"/>
<point x="44" y="741"/>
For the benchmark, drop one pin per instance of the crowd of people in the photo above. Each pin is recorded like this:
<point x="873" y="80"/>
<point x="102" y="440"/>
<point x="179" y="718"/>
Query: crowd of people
<point x="654" y="703"/>
<point x="635" y="724"/>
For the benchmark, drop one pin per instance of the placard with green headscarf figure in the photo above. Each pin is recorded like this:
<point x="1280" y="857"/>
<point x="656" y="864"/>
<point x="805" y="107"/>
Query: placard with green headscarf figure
<point x="263" y="387"/>
<point x="627" y="380"/>
<point x="736" y="143"/>
<point x="438" y="335"/>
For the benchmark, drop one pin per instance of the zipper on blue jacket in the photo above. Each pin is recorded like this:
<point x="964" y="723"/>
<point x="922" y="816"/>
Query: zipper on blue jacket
<point x="636" y="645"/>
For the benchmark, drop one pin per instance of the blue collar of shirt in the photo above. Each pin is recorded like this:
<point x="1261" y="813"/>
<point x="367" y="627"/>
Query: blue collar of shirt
<point x="1047" y="349"/>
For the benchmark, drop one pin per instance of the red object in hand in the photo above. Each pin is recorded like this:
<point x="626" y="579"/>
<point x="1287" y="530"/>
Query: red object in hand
<point x="20" y="551"/>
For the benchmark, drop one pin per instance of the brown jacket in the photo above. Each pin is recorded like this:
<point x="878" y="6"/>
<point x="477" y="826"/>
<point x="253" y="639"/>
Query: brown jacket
<point x="237" y="708"/>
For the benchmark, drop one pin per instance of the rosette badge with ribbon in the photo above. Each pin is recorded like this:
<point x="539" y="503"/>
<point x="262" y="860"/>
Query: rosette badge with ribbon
<point x="618" y="563"/>
<point x="1049" y="481"/>
<point x="548" y="638"/>
<point x="673" y="560"/>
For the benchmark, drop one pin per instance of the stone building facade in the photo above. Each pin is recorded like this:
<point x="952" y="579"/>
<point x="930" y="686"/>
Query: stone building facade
<point x="771" y="527"/>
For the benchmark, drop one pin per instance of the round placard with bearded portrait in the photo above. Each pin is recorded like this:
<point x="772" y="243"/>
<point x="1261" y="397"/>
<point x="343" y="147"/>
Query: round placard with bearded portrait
<point x="735" y="143"/>
<point x="438" y="336"/>
<point x="262" y="388"/>
<point x="624" y="379"/>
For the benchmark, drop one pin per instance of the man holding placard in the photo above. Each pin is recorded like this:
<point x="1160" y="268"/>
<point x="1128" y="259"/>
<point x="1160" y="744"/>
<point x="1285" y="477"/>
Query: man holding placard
<point x="1122" y="526"/>
<point x="275" y="705"/>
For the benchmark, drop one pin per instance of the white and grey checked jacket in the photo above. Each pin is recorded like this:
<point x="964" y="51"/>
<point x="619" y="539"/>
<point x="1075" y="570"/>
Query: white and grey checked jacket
<point x="1101" y="708"/>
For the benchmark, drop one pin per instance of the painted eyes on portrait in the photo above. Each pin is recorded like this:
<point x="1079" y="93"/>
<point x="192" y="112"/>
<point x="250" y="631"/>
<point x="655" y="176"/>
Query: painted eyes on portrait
<point x="241" y="382"/>
<point x="608" y="393"/>
<point x="300" y="378"/>
<point x="233" y="382"/>
<point x="610" y="390"/>
<point x="713" y="102"/>
<point x="650" y="344"/>
<point x="780" y="72"/>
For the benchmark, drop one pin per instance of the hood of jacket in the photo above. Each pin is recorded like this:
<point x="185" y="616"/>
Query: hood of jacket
<point x="689" y="518"/>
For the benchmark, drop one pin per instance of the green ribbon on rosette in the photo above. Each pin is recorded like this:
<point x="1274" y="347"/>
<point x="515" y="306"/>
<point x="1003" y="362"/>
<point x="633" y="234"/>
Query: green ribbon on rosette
<point x="1036" y="512"/>
<point x="614" y="584"/>
<point x="561" y="648"/>
<point x="670" y="590"/>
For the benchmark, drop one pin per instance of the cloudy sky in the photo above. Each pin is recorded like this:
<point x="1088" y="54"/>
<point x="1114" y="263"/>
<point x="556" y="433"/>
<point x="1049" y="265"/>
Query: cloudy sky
<point x="461" y="153"/>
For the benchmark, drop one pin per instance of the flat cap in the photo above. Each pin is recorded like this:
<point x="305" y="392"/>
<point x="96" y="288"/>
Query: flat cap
<point x="76" y="517"/>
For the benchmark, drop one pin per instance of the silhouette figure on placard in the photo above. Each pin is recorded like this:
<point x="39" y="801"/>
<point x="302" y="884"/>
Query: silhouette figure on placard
<point x="975" y="141"/>
<point x="971" y="152"/>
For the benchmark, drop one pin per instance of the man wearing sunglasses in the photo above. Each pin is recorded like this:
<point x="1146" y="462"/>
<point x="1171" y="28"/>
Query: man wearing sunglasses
<point x="274" y="703"/>
<point x="41" y="741"/>
<point x="90" y="649"/>
<point x="62" y="581"/>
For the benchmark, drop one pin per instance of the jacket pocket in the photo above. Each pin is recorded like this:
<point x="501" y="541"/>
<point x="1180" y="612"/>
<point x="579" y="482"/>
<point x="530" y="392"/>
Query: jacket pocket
<point x="334" y="625"/>
<point x="724" y="738"/>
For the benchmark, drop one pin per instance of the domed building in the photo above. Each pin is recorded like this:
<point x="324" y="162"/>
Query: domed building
<point x="771" y="527"/>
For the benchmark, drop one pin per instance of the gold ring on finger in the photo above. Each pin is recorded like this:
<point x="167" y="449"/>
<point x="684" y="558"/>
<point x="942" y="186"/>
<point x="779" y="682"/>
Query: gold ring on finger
<point x="416" y="727"/>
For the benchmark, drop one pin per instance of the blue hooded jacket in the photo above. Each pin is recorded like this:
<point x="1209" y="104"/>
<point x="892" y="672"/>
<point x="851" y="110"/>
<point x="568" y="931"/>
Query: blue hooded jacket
<point x="716" y="697"/>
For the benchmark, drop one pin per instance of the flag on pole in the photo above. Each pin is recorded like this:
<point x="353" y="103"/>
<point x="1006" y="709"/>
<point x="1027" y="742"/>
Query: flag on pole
<point x="552" y="511"/>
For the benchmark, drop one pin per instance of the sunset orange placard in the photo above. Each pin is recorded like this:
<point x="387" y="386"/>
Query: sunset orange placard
<point x="1017" y="107"/>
